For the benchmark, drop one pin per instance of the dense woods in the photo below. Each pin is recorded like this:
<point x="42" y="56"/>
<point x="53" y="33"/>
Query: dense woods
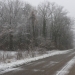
<point x="25" y="27"/>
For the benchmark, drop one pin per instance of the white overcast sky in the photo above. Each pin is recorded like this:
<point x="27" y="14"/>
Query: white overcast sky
<point x="69" y="5"/>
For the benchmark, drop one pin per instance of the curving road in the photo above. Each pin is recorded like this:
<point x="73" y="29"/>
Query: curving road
<point x="54" y="65"/>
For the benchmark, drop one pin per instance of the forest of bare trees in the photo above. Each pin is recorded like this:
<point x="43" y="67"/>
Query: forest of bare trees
<point x="25" y="27"/>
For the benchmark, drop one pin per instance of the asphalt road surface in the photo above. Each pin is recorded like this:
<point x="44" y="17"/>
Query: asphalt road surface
<point x="47" y="66"/>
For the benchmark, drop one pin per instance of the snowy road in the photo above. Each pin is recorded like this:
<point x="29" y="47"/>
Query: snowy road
<point x="62" y="64"/>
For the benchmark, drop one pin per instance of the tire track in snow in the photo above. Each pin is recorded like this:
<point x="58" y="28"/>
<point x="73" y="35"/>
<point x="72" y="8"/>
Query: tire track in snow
<point x="65" y="70"/>
<point x="50" y="64"/>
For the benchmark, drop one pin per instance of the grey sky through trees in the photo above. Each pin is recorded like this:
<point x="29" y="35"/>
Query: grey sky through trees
<point x="37" y="24"/>
<point x="69" y="5"/>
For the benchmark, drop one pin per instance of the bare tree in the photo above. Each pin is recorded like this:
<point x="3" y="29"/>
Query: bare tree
<point x="44" y="11"/>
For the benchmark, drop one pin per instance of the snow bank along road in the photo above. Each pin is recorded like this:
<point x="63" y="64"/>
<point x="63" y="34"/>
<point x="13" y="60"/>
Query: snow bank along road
<point x="61" y="64"/>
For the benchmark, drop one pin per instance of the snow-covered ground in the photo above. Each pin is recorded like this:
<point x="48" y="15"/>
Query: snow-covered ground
<point x="7" y="66"/>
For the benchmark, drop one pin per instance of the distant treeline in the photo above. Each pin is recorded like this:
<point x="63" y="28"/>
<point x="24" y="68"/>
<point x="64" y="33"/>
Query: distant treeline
<point x="24" y="27"/>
